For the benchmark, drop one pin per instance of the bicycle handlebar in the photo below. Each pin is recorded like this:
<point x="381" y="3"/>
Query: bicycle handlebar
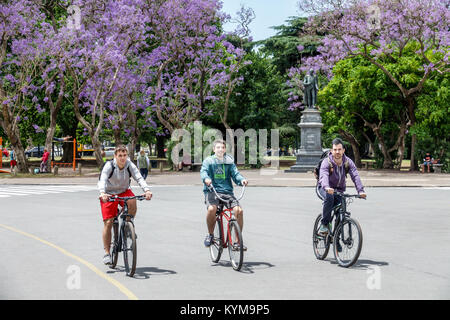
<point x="211" y="188"/>
<point x="115" y="198"/>
<point x="346" y="195"/>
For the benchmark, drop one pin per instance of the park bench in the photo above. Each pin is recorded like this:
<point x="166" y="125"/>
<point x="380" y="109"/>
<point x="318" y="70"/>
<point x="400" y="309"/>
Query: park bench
<point x="160" y="163"/>
<point x="367" y="164"/>
<point x="437" y="167"/>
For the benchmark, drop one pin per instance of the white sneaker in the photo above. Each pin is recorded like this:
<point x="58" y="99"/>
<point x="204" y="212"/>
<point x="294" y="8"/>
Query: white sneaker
<point x="107" y="259"/>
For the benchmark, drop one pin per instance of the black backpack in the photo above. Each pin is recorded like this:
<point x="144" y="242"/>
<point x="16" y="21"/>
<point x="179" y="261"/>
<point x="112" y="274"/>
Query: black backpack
<point x="323" y="157"/>
<point x="112" y="171"/>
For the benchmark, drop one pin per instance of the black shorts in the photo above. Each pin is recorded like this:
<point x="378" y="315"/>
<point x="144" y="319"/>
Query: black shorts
<point x="212" y="200"/>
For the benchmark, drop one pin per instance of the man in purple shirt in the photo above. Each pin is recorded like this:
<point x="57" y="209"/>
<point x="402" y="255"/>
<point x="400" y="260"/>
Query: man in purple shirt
<point x="333" y="173"/>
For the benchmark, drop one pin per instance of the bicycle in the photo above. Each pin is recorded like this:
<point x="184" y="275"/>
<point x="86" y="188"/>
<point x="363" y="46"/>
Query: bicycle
<point x="233" y="241"/>
<point x="345" y="234"/>
<point x="124" y="236"/>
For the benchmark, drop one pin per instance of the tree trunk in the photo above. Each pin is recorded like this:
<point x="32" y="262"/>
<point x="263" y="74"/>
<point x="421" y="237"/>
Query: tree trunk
<point x="54" y="109"/>
<point x="355" y="146"/>
<point x="160" y="146"/>
<point x="387" y="160"/>
<point x="22" y="162"/>
<point x="412" y="117"/>
<point x="13" y="134"/>
<point x="135" y="132"/>
<point x="117" y="138"/>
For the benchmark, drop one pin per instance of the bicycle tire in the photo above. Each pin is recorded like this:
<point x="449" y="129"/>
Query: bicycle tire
<point x="235" y="245"/>
<point x="321" y="244"/>
<point x="129" y="248"/>
<point x="216" y="247"/>
<point x="115" y="245"/>
<point x="345" y="237"/>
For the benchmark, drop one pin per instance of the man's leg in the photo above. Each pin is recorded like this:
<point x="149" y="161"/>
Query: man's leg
<point x="239" y="214"/>
<point x="132" y="207"/>
<point x="327" y="206"/>
<point x="211" y="218"/>
<point x="107" y="226"/>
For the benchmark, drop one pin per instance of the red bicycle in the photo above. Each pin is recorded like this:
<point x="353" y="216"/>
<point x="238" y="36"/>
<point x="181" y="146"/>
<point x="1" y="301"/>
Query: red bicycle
<point x="233" y="240"/>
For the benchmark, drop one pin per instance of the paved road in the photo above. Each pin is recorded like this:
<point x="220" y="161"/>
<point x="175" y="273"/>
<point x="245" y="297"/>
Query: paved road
<point x="51" y="247"/>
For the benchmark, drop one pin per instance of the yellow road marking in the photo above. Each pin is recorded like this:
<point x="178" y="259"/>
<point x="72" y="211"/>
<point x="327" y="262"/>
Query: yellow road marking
<point x="114" y="282"/>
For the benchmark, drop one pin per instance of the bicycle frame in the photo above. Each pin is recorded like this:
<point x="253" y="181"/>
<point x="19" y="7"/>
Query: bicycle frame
<point x="227" y="213"/>
<point x="340" y="213"/>
<point x="123" y="215"/>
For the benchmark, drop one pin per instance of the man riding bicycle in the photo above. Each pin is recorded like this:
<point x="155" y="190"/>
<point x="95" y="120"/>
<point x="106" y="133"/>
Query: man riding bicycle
<point x="218" y="170"/>
<point x="115" y="180"/>
<point x="333" y="173"/>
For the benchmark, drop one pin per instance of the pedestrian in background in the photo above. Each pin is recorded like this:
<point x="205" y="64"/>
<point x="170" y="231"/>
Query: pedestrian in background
<point x="143" y="164"/>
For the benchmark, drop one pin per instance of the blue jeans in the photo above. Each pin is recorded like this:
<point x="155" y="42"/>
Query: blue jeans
<point x="144" y="173"/>
<point x="330" y="200"/>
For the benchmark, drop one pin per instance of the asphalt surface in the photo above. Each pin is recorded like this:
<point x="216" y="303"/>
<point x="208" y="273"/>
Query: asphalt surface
<point x="52" y="248"/>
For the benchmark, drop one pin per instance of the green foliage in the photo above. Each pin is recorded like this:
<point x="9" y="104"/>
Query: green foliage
<point x="359" y="90"/>
<point x="283" y="46"/>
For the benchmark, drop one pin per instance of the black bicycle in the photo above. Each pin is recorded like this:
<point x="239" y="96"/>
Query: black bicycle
<point x="233" y="240"/>
<point x="345" y="234"/>
<point x="124" y="236"/>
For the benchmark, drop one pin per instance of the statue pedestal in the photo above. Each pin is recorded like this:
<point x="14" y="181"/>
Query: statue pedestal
<point x="311" y="141"/>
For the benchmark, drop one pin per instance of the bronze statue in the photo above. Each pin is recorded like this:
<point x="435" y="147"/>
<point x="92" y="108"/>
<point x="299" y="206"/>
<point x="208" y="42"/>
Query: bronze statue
<point x="311" y="86"/>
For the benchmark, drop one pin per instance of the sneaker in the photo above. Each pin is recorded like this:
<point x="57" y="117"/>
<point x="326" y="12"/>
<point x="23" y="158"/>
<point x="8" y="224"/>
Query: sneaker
<point x="107" y="259"/>
<point x="208" y="240"/>
<point x="323" y="230"/>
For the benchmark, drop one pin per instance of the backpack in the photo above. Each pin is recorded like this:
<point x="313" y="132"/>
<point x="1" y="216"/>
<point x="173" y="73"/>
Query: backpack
<point x="323" y="157"/>
<point x="112" y="171"/>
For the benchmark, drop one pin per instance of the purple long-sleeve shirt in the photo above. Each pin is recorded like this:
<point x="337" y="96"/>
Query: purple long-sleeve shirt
<point x="337" y="179"/>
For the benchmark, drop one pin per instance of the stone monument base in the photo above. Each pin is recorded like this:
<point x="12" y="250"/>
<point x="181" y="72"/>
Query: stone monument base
<point x="310" y="149"/>
<point x="306" y="162"/>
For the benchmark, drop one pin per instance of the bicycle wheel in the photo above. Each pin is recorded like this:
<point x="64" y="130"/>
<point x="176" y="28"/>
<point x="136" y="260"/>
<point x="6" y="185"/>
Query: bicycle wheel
<point x="129" y="248"/>
<point x="348" y="238"/>
<point x="216" y="247"/>
<point x="321" y="244"/>
<point x="235" y="245"/>
<point x="115" y="245"/>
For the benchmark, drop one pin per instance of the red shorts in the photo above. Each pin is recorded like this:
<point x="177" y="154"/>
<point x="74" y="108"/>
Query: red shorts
<point x="13" y="163"/>
<point x="109" y="209"/>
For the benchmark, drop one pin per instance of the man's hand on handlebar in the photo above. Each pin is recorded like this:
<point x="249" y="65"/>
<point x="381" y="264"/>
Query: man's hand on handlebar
<point x="148" y="195"/>
<point x="208" y="181"/>
<point x="104" y="197"/>
<point x="363" y="195"/>
<point x="244" y="182"/>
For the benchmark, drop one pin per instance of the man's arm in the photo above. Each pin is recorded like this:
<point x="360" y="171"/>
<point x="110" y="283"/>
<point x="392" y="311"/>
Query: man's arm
<point x="136" y="174"/>
<point x="101" y="185"/>
<point x="236" y="175"/>
<point x="324" y="174"/>
<point x="204" y="172"/>
<point x="104" y="175"/>
<point x="353" y="171"/>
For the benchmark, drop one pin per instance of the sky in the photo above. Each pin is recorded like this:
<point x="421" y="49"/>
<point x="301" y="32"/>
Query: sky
<point x="268" y="13"/>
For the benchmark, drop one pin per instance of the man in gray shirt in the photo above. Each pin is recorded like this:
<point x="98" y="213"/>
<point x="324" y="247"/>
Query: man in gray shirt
<point x="115" y="180"/>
